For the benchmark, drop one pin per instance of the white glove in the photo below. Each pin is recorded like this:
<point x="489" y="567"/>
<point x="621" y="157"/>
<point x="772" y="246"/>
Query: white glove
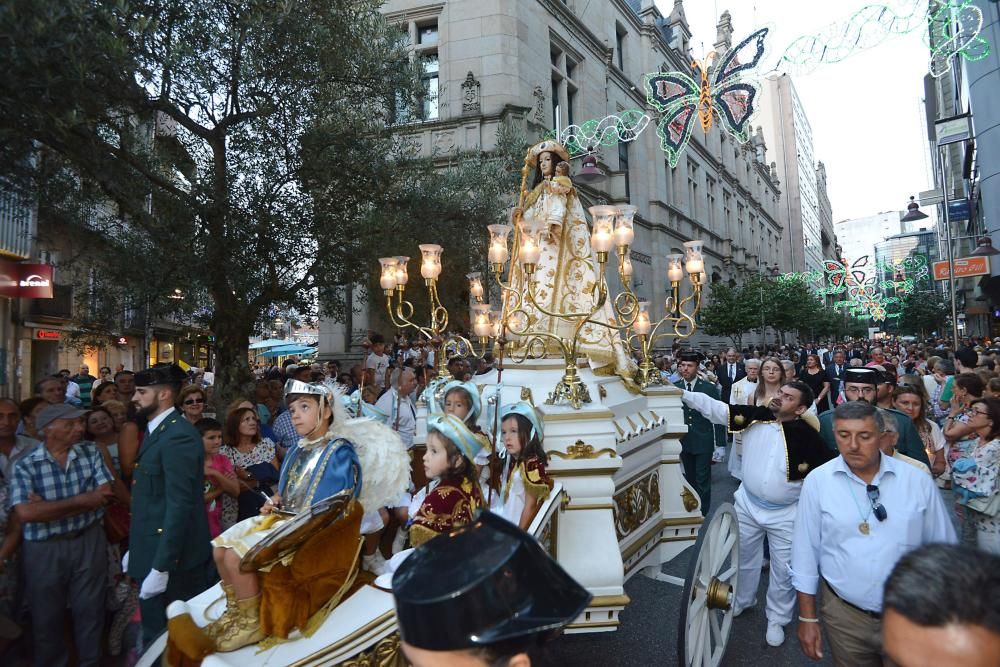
<point x="125" y="563"/>
<point x="154" y="584"/>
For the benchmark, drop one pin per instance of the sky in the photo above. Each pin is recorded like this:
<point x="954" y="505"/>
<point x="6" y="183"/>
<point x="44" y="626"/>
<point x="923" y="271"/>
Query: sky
<point x="866" y="112"/>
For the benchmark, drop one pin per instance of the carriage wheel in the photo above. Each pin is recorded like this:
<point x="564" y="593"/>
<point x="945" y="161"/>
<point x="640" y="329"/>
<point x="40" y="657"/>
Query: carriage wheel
<point x="709" y="591"/>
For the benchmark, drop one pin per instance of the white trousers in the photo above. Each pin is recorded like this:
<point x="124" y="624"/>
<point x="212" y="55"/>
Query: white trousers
<point x="777" y="524"/>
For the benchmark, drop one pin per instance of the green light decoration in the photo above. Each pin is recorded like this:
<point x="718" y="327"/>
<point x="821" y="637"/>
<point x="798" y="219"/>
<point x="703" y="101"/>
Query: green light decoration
<point x="954" y="29"/>
<point x="866" y="28"/>
<point x="589" y="136"/>
<point x="867" y="297"/>
<point x="723" y="89"/>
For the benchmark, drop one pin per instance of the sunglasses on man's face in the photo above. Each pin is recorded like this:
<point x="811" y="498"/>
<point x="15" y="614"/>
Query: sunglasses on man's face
<point x="194" y="401"/>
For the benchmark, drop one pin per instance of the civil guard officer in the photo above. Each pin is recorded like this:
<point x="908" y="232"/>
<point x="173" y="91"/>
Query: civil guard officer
<point x="482" y="596"/>
<point x="169" y="550"/>
<point x="702" y="437"/>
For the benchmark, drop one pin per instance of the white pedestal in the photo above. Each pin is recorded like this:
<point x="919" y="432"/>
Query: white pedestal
<point x="618" y="460"/>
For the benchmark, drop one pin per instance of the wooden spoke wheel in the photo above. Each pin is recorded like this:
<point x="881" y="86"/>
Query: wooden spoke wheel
<point x="709" y="591"/>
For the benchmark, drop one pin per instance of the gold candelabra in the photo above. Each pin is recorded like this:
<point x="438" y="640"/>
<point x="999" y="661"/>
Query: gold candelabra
<point x="612" y="228"/>
<point x="401" y="312"/>
<point x="642" y="335"/>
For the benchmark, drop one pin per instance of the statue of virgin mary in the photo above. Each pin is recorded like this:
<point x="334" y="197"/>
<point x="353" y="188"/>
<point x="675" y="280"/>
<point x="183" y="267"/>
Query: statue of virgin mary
<point x="566" y="275"/>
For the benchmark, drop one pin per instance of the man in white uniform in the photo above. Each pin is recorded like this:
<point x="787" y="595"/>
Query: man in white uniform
<point x="857" y="515"/>
<point x="780" y="449"/>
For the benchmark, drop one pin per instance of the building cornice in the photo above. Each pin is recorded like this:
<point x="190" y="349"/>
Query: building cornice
<point x="416" y="14"/>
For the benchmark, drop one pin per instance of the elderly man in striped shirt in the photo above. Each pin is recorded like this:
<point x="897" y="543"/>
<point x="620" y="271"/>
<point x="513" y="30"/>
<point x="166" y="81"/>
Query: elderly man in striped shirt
<point x="58" y="491"/>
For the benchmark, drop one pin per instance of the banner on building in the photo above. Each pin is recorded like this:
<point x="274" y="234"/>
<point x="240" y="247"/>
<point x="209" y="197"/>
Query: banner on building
<point x="964" y="266"/>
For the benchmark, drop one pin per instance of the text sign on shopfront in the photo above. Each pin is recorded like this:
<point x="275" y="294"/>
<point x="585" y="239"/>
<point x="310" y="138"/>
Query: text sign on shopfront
<point x="30" y="281"/>
<point x="46" y="334"/>
<point x="964" y="266"/>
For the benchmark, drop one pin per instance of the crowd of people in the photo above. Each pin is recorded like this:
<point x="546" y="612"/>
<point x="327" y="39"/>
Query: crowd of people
<point x="91" y="488"/>
<point x="87" y="523"/>
<point x="917" y="430"/>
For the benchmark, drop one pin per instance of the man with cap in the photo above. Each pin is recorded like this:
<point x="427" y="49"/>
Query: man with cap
<point x="702" y="436"/>
<point x="58" y="492"/>
<point x="861" y="384"/>
<point x="505" y="596"/>
<point x="169" y="550"/>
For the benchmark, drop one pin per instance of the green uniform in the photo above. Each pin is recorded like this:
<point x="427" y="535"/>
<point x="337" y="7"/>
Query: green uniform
<point x="909" y="442"/>
<point x="698" y="444"/>
<point x="169" y="530"/>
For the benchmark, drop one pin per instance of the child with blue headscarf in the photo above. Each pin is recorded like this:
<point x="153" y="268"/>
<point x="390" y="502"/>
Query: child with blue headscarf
<point x="525" y="484"/>
<point x="454" y="494"/>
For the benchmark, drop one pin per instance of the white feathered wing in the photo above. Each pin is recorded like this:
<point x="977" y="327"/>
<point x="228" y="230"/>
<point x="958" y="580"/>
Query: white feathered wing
<point x="385" y="463"/>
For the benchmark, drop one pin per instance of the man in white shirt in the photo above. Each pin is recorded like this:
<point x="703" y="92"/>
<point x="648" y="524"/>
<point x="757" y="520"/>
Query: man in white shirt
<point x="398" y="404"/>
<point x="781" y="449"/>
<point x="857" y="515"/>
<point x="742" y="394"/>
<point x="378" y="360"/>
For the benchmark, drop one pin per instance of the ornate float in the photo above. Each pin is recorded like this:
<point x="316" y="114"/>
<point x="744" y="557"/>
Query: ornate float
<point x="620" y="506"/>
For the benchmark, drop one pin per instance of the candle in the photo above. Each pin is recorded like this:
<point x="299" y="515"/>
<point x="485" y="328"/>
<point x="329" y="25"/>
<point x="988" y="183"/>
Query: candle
<point x="694" y="264"/>
<point x="498" y="252"/>
<point x="623" y="235"/>
<point x="642" y="325"/>
<point x="600" y="240"/>
<point x="401" y="271"/>
<point x="481" y="325"/>
<point x="475" y="286"/>
<point x="693" y="261"/>
<point x="530" y="251"/>
<point x="675" y="273"/>
<point x="430" y="266"/>
<point x="602" y="237"/>
<point x="626" y="267"/>
<point x="388" y="279"/>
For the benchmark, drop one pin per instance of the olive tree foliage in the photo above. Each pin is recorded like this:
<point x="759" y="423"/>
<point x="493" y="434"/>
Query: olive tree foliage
<point x="238" y="149"/>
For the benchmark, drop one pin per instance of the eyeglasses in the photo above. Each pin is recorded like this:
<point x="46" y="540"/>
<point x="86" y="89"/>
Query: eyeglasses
<point x="194" y="401"/>
<point x="877" y="508"/>
<point x="984" y="413"/>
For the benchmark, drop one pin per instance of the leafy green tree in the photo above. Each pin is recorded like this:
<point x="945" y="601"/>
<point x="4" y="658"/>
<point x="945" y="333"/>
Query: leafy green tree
<point x="243" y="150"/>
<point x="730" y="312"/>
<point x="922" y="312"/>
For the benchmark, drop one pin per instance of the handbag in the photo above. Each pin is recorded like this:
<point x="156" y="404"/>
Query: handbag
<point x="116" y="522"/>
<point x="989" y="506"/>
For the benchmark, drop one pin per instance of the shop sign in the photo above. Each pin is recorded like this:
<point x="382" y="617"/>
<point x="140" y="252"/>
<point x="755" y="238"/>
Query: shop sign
<point x="30" y="281"/>
<point x="46" y="334"/>
<point x="121" y="341"/>
<point x="964" y="266"/>
<point x="36" y="281"/>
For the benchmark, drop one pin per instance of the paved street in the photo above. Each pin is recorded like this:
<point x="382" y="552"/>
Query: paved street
<point x="648" y="631"/>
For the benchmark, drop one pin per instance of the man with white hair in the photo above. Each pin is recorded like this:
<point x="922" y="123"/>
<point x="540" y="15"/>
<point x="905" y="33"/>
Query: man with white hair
<point x="58" y="492"/>
<point x="397" y="402"/>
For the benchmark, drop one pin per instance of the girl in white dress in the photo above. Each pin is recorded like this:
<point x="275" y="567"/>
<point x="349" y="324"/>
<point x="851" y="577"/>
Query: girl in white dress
<point x="526" y="486"/>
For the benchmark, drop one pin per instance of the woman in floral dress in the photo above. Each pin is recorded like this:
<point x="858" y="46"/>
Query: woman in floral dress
<point x="975" y="476"/>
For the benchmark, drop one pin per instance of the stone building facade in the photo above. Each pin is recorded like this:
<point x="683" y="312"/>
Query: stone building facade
<point x="548" y="64"/>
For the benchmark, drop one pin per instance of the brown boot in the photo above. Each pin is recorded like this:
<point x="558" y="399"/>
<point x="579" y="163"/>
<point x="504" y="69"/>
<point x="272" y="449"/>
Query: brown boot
<point x="242" y="627"/>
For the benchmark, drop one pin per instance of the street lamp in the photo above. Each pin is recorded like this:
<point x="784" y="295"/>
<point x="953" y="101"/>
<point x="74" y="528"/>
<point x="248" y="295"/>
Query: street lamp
<point x="913" y="212"/>
<point x="984" y="248"/>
